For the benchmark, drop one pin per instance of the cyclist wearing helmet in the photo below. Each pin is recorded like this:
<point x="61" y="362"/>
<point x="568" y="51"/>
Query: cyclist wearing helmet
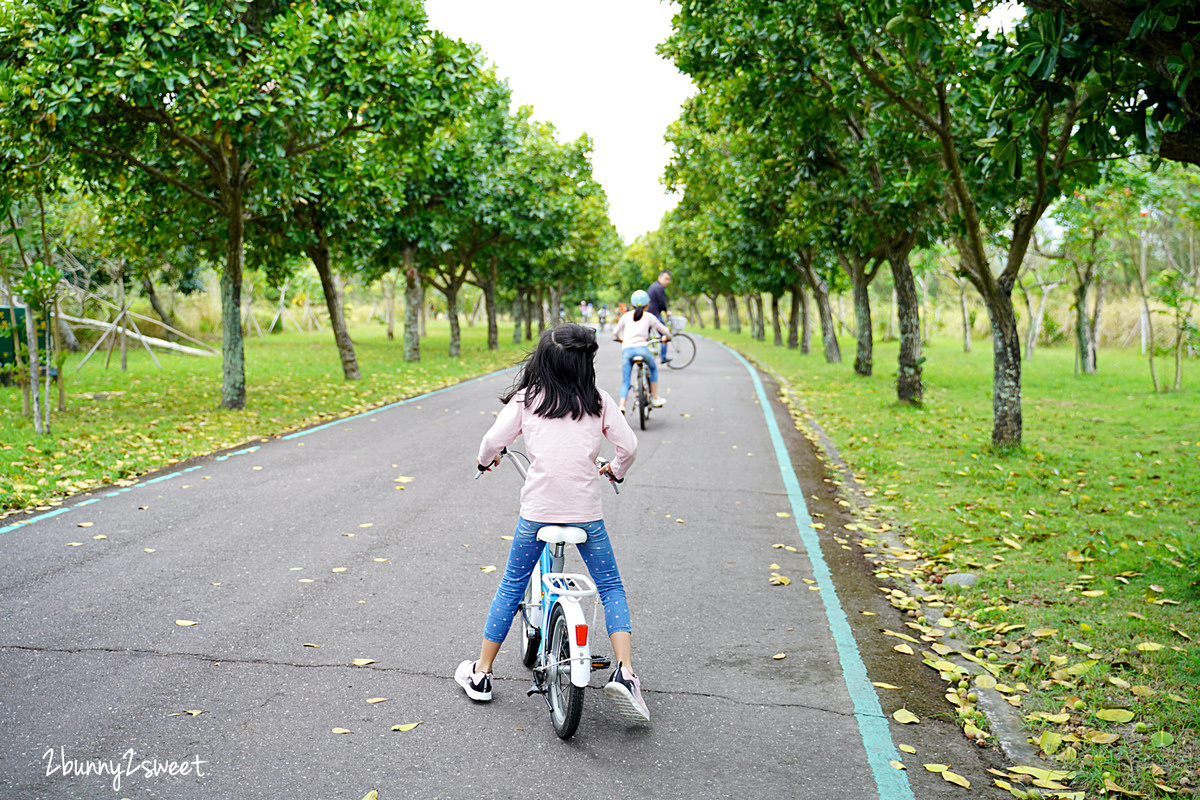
<point x="636" y="325"/>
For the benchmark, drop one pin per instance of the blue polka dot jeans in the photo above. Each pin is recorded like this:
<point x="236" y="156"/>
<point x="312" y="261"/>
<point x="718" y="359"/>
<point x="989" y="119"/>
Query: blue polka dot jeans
<point x="597" y="554"/>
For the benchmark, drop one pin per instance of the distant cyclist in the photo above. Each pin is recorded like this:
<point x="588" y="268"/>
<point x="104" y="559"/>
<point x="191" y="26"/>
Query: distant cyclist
<point x="658" y="305"/>
<point x="636" y="325"/>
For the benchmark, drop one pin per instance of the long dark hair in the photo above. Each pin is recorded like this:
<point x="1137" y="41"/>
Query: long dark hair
<point x="637" y="315"/>
<point x="559" y="374"/>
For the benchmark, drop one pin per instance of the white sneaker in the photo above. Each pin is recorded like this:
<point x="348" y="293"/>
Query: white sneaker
<point x="627" y="694"/>
<point x="477" y="685"/>
<point x="657" y="402"/>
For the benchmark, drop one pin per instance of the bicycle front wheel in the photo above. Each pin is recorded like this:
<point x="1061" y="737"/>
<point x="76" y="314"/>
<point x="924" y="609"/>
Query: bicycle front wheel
<point x="531" y="618"/>
<point x="681" y="349"/>
<point x="566" y="699"/>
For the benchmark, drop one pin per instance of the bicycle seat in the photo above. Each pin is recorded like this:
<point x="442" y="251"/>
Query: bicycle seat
<point x="638" y="359"/>
<point x="561" y="534"/>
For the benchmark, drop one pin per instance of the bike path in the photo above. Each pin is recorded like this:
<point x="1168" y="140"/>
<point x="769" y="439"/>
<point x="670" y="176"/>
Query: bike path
<point x="369" y="538"/>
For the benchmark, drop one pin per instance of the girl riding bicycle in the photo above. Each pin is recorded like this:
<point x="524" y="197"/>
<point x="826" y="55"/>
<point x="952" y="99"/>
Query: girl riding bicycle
<point x="636" y="325"/>
<point x="563" y="416"/>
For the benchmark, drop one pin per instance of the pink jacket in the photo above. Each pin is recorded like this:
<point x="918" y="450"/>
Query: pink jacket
<point x="637" y="333"/>
<point x="563" y="484"/>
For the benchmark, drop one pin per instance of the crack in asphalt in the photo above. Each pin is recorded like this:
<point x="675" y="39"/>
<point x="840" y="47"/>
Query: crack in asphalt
<point x="376" y="668"/>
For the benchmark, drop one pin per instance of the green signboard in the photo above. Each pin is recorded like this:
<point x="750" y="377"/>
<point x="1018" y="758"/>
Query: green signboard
<point x="6" y="334"/>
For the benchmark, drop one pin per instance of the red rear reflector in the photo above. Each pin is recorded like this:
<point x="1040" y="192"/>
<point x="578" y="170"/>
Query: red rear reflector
<point x="581" y="635"/>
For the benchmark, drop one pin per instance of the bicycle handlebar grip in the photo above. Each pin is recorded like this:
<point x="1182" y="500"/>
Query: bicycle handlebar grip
<point x="482" y="468"/>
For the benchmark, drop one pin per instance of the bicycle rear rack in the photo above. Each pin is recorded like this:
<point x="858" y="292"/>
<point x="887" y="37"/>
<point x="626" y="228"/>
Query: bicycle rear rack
<point x="570" y="585"/>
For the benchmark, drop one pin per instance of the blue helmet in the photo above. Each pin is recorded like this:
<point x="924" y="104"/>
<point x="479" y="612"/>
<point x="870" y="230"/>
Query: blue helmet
<point x="640" y="298"/>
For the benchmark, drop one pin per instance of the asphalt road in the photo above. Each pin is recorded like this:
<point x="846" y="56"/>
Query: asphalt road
<point x="369" y="537"/>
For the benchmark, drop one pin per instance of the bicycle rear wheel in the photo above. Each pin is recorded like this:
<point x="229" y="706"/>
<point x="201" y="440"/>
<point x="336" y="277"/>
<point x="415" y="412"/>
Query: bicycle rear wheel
<point x="566" y="699"/>
<point x="681" y="349"/>
<point x="643" y="392"/>
<point x="531" y="618"/>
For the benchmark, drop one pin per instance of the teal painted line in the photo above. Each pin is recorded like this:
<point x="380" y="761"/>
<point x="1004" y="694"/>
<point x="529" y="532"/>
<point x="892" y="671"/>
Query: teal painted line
<point x="872" y="724"/>
<point x="162" y="478"/>
<point x="396" y="404"/>
<point x="86" y="502"/>
<point x="31" y="520"/>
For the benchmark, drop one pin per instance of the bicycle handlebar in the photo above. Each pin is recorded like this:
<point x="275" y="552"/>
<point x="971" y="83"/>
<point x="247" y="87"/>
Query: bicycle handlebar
<point x="504" y="453"/>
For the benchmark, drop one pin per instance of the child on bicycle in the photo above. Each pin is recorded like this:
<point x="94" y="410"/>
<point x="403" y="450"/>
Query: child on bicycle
<point x="563" y="416"/>
<point x="636" y="325"/>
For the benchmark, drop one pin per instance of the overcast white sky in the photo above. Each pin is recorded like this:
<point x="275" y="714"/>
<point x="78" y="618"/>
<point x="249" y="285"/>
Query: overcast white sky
<point x="588" y="66"/>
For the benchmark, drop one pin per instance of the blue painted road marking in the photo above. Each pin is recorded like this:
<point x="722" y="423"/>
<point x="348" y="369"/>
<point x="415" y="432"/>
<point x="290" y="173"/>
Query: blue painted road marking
<point x="872" y="724"/>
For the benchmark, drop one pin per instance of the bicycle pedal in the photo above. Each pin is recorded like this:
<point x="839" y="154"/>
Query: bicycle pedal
<point x="600" y="662"/>
<point x="534" y="689"/>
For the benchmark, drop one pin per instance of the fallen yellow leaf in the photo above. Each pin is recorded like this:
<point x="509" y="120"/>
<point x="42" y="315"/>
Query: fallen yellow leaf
<point x="310" y="644"/>
<point x="896" y="764"/>
<point x="488" y="568"/>
<point x="907" y="748"/>
<point x="362" y="662"/>
<point x="185" y="623"/>
<point x="366" y="524"/>
<point x="956" y="779"/>
<point x="374" y="700"/>
<point x="906" y="717"/>
<point x="86" y="524"/>
<point x="404" y="479"/>
<point x="782" y="514"/>
<point x="341" y="730"/>
<point x="937" y="767"/>
<point x="882" y="685"/>
<point x="407" y="726"/>
<point x="903" y="648"/>
<point x="1149" y="647"/>
<point x="338" y="569"/>
<point x="779" y="656"/>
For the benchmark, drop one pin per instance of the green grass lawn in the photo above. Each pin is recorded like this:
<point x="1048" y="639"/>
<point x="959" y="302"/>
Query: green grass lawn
<point x="1086" y="539"/>
<point x="119" y="425"/>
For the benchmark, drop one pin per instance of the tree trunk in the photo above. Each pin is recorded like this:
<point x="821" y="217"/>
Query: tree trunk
<point x="527" y="302"/>
<point x="452" y="313"/>
<point x="31" y="337"/>
<point x="233" y="354"/>
<point x="19" y="373"/>
<point x="1094" y="322"/>
<point x="966" y="317"/>
<point x="1006" y="375"/>
<point x="541" y="309"/>
<point x="716" y="307"/>
<point x="489" y="299"/>
<point x="163" y="312"/>
<point x="695" y="309"/>
<point x="864" y="354"/>
<point x="389" y="290"/>
<point x="412" y="307"/>
<point x="52" y="322"/>
<point x="1147" y="325"/>
<point x="820" y="290"/>
<point x="909" y="384"/>
<point x="856" y="268"/>
<point x="122" y="339"/>
<point x="793" y="340"/>
<point x="319" y="253"/>
<point x="775" y="319"/>
<point x="516" y="315"/>
<point x="735" y="319"/>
